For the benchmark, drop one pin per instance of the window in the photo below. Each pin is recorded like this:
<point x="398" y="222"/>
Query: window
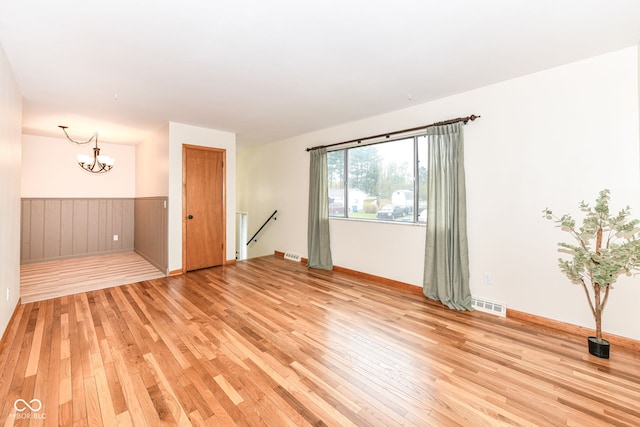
<point x="382" y="181"/>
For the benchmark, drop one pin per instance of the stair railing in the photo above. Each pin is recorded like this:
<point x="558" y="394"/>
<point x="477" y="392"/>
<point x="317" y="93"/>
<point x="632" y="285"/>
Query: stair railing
<point x="254" y="237"/>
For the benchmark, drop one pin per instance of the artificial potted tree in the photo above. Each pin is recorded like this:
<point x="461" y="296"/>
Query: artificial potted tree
<point x="605" y="247"/>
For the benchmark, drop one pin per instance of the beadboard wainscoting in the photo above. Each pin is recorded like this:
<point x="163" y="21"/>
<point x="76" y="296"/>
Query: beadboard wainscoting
<point x="151" y="238"/>
<point x="59" y="228"/>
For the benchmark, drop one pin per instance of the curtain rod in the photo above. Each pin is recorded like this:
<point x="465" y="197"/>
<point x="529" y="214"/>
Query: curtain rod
<point x="388" y="134"/>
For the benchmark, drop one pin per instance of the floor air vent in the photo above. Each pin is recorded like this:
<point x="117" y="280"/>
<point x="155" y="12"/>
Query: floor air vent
<point x="492" y="307"/>
<point x="292" y="256"/>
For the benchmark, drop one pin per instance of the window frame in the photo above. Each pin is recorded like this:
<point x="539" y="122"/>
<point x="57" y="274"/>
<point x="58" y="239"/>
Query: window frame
<point x="416" y="161"/>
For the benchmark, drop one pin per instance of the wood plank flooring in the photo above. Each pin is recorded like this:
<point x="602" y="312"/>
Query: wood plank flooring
<point x="58" y="278"/>
<point x="269" y="342"/>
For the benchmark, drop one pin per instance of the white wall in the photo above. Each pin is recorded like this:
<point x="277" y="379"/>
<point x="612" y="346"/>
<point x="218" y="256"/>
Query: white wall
<point x="275" y="177"/>
<point x="180" y="134"/>
<point x="548" y="139"/>
<point x="152" y="165"/>
<point x="50" y="169"/>
<point x="10" y="159"/>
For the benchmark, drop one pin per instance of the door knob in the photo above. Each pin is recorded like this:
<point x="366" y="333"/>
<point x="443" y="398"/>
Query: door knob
<point x="190" y="216"/>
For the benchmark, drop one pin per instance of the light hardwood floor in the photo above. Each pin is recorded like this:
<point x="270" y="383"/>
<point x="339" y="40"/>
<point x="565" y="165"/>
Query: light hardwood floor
<point x="270" y="342"/>
<point x="51" y="279"/>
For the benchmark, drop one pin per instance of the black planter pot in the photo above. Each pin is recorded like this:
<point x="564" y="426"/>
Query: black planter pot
<point x="599" y="349"/>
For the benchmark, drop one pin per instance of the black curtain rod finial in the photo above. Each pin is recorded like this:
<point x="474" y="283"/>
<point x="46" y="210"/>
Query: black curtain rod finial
<point x="472" y="118"/>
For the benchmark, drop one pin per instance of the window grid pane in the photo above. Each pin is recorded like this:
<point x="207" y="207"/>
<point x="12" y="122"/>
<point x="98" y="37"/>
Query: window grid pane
<point x="335" y="173"/>
<point x="421" y="181"/>
<point x="381" y="181"/>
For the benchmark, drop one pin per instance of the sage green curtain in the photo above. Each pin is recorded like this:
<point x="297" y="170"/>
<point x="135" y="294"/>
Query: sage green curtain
<point x="318" y="241"/>
<point x="446" y="267"/>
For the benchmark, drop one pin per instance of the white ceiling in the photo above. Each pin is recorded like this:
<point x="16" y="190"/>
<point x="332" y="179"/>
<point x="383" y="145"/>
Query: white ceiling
<point x="268" y="70"/>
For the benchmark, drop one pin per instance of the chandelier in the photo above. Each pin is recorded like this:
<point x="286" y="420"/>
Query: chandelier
<point x="95" y="164"/>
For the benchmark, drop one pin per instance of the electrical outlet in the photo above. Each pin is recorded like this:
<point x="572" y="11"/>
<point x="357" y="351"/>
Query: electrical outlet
<point x="486" y="278"/>
<point x="115" y="237"/>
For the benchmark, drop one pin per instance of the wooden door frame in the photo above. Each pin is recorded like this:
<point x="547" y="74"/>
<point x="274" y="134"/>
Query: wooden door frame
<point x="185" y="147"/>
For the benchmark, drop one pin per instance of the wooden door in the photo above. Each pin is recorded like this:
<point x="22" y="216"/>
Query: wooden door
<point x="204" y="219"/>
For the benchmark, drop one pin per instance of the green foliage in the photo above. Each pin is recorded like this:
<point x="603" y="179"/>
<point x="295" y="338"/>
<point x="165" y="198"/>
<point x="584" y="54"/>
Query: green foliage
<point x="370" y="206"/>
<point x="607" y="245"/>
<point x="368" y="171"/>
<point x="335" y="169"/>
<point x="365" y="169"/>
<point x="604" y="247"/>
